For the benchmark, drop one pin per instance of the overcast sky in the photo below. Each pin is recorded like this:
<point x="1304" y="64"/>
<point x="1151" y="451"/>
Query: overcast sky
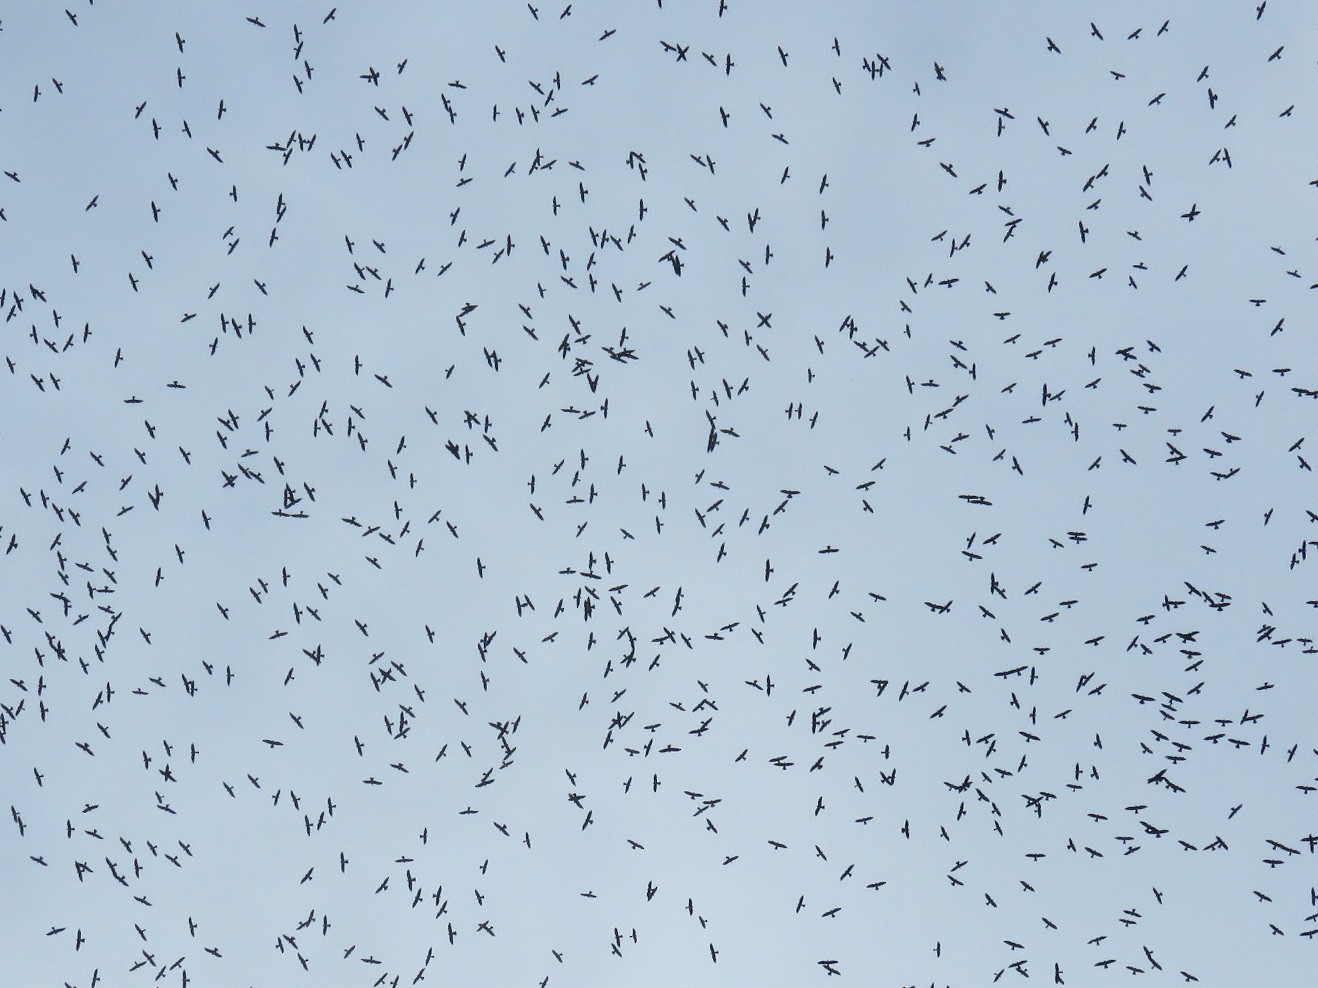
<point x="657" y="493"/>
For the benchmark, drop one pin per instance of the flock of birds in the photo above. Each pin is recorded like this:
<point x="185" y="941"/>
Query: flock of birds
<point x="685" y="494"/>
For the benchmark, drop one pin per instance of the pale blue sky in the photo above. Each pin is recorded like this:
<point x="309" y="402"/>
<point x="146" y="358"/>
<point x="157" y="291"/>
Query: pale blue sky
<point x="1060" y="461"/>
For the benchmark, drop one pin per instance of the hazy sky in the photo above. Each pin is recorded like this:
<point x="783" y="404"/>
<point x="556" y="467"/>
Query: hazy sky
<point x="657" y="493"/>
